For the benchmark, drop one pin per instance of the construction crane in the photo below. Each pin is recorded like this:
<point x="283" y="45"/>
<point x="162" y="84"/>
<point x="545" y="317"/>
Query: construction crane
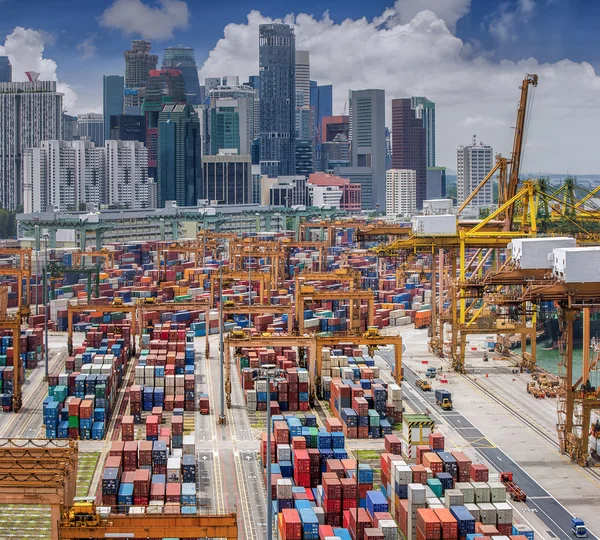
<point x="230" y="277"/>
<point x="343" y="275"/>
<point x="56" y="270"/>
<point x="108" y="256"/>
<point x="308" y="293"/>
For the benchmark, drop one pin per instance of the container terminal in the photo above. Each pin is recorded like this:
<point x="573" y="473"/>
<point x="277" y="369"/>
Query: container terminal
<point x="330" y="377"/>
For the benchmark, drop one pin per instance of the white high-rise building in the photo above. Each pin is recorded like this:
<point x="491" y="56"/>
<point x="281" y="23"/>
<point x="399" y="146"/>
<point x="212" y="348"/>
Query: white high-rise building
<point x="401" y="192"/>
<point x="473" y="163"/>
<point x="127" y="174"/>
<point x="30" y="112"/>
<point x="62" y="174"/>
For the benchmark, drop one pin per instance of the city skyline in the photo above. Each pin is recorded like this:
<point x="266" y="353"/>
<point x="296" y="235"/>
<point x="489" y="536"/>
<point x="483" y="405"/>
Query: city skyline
<point x="457" y="64"/>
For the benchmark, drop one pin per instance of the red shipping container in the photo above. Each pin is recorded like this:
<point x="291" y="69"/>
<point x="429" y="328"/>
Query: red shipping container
<point x="114" y="462"/>
<point x="74" y="404"/>
<point x="432" y="461"/>
<point x="302" y="479"/>
<point x="334" y="519"/>
<point x="478" y="472"/>
<point x="392" y="444"/>
<point x="86" y="409"/>
<point x="173" y="492"/>
<point x="116" y="448"/>
<point x="301" y="461"/>
<point x="436" y="440"/>
<point x="127" y="428"/>
<point x="428" y="524"/>
<point x="290" y="526"/>
<point x="373" y="534"/>
<point x="141" y="501"/>
<point x="359" y="521"/>
<point x="332" y="486"/>
<point x="486" y="530"/>
<point x="419" y="474"/>
<point x="448" y="524"/>
<point x="298" y="443"/>
<point x="109" y="500"/>
<point x="504" y="529"/>
<point x="333" y="425"/>
<point x="141" y="483"/>
<point x="145" y="453"/>
<point x="332" y="506"/>
<point x="157" y="492"/>
<point x="325" y="531"/>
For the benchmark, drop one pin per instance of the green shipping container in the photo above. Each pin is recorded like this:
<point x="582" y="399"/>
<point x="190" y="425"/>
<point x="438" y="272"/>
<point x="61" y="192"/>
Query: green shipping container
<point x="74" y="421"/>
<point x="436" y="486"/>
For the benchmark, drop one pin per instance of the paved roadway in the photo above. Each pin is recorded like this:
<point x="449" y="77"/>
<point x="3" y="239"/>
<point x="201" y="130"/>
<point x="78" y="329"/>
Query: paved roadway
<point x="555" y="516"/>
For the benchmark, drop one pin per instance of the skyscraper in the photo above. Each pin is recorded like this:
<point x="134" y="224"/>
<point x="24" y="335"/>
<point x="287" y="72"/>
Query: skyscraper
<point x="182" y="58"/>
<point x="113" y="87"/>
<point x="473" y="163"/>
<point x="163" y="86"/>
<point x="179" y="169"/>
<point x="31" y="112"/>
<point x="5" y="69"/>
<point x="69" y="128"/>
<point x="224" y="127"/>
<point x="127" y="127"/>
<point x="138" y="64"/>
<point x="210" y="83"/>
<point x="425" y="110"/>
<point x="321" y="99"/>
<point x="409" y="145"/>
<point x="91" y="125"/>
<point x="367" y="132"/>
<point x="277" y="62"/>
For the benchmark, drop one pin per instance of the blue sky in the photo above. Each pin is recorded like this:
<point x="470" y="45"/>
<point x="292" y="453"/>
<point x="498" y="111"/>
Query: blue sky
<point x="467" y="55"/>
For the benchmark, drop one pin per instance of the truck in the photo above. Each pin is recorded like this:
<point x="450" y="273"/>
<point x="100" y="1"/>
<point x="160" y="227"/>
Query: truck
<point x="515" y="492"/>
<point x="423" y="385"/>
<point x="444" y="399"/>
<point x="578" y="528"/>
<point x="431" y="373"/>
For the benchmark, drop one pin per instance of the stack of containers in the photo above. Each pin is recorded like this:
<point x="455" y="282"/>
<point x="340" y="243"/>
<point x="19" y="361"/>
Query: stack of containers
<point x="86" y="392"/>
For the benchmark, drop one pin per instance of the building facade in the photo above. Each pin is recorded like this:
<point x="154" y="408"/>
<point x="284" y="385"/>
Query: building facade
<point x="61" y="175"/>
<point x="5" y="69"/>
<point x="113" y="95"/>
<point x="409" y="144"/>
<point x="127" y="174"/>
<point x="289" y="191"/>
<point x="304" y="157"/>
<point x="30" y="113"/>
<point x="321" y="196"/>
<point x="91" y="126"/>
<point x="183" y="59"/>
<point x="277" y="62"/>
<point x="138" y="64"/>
<point x="242" y="99"/>
<point x="425" y="109"/>
<point x="227" y="179"/>
<point x="224" y="127"/>
<point x="401" y="192"/>
<point x="473" y="163"/>
<point x="436" y="182"/>
<point x="303" y="77"/>
<point x="321" y="101"/>
<point x="367" y="132"/>
<point x="69" y="127"/>
<point x="351" y="193"/>
<point x="179" y="170"/>
<point x="128" y="127"/>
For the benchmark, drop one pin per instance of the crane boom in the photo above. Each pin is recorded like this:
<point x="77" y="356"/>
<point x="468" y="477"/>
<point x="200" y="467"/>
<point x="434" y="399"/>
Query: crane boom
<point x="515" y="160"/>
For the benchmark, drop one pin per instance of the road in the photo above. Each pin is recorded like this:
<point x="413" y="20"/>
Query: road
<point x="555" y="516"/>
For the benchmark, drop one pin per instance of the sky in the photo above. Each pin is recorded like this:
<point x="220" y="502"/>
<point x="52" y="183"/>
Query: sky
<point x="468" y="56"/>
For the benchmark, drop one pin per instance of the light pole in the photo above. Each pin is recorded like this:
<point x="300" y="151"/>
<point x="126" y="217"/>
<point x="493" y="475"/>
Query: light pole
<point x="220" y="251"/>
<point x="204" y="236"/>
<point x="46" y="307"/>
<point x="249" y="282"/>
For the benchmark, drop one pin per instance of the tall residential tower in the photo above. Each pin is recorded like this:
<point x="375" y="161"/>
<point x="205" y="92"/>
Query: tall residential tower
<point x="473" y="163"/>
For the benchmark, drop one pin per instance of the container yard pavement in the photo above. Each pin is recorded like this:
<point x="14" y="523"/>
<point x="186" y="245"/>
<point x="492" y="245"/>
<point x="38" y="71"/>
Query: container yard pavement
<point x="555" y="487"/>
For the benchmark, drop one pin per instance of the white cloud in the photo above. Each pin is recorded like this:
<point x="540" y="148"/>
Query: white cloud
<point x="25" y="49"/>
<point x="450" y="11"/>
<point x="475" y="121"/>
<point x="150" y="22"/>
<point x="87" y="48"/>
<point x="510" y="17"/>
<point x="422" y="57"/>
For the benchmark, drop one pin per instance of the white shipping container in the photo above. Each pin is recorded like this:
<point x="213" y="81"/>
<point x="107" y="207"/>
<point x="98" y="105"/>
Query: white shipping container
<point x="577" y="265"/>
<point x="434" y="225"/>
<point x="532" y="253"/>
<point x="453" y="497"/>
<point x="497" y="492"/>
<point x="284" y="488"/>
<point x="487" y="513"/>
<point x="416" y="494"/>
<point x="504" y="513"/>
<point x="467" y="490"/>
<point x="482" y="492"/>
<point x="389" y="529"/>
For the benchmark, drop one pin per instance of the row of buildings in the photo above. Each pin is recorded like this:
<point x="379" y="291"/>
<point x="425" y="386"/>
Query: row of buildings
<point x="260" y="141"/>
